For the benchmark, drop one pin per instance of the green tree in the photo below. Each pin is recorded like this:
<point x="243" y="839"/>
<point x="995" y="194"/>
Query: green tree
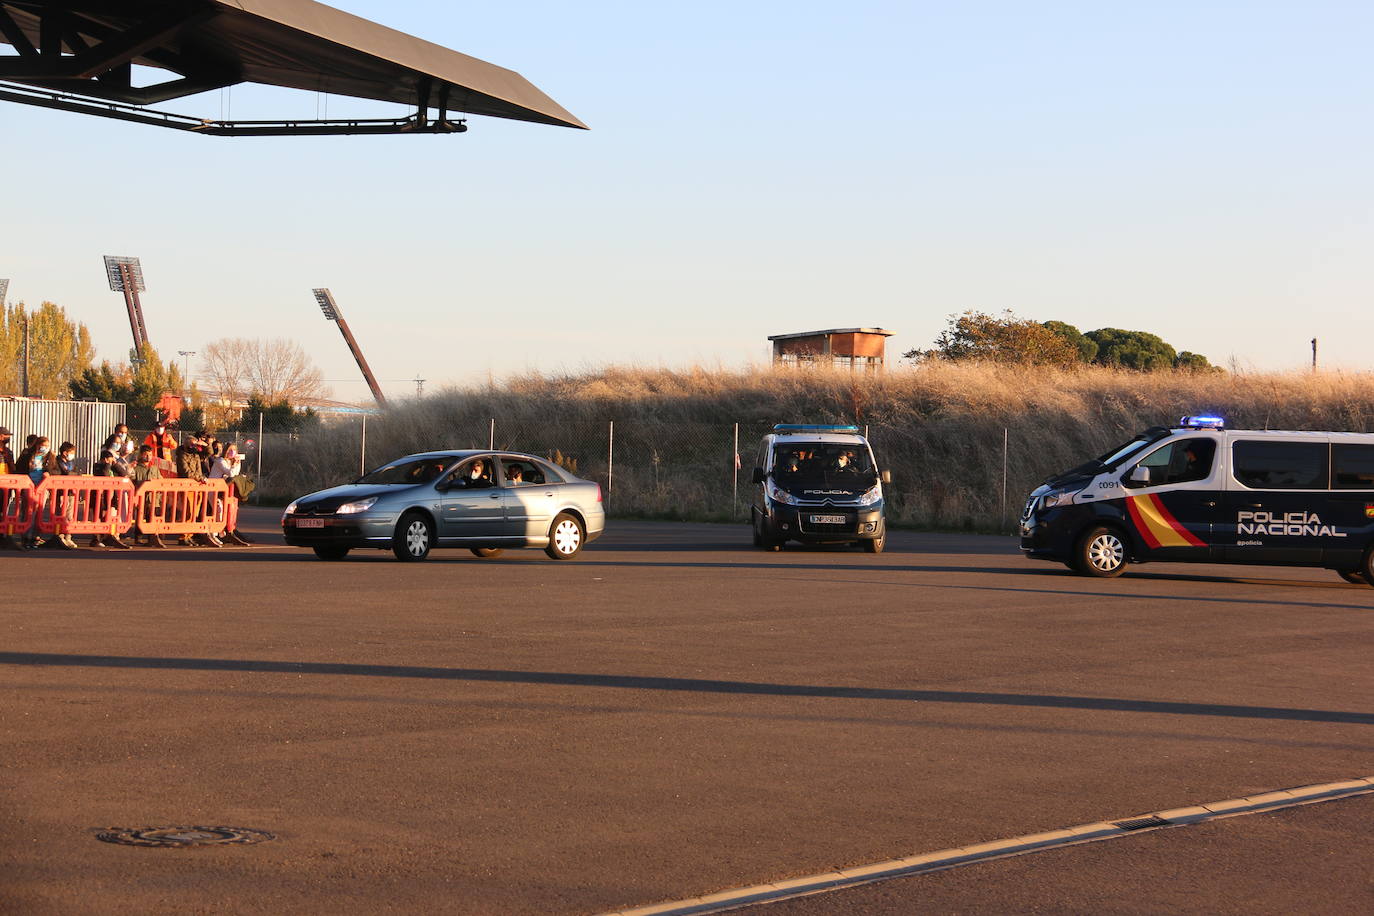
<point x="1137" y="350"/>
<point x="1086" y="347"/>
<point x="277" y="417"/>
<point x="60" y="350"/>
<point x="139" y="387"/>
<point x="975" y="335"/>
<point x="1194" y="362"/>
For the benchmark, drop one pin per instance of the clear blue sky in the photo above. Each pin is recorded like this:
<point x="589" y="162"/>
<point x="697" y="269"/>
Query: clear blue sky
<point x="1200" y="170"/>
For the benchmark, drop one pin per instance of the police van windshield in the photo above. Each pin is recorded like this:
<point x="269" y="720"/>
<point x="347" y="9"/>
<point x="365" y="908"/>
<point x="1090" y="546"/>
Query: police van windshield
<point x="823" y="464"/>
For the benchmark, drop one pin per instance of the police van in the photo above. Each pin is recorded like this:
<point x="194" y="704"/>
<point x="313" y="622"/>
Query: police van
<point x="1200" y="492"/>
<point x="818" y="485"/>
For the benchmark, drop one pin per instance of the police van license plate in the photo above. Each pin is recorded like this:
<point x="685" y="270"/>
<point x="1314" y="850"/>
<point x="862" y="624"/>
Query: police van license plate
<point x="827" y="519"/>
<point x="309" y="523"/>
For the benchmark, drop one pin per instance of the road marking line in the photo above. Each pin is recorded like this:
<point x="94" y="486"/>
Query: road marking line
<point x="1000" y="849"/>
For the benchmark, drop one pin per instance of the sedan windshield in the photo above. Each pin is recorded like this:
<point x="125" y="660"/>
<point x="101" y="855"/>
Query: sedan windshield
<point x="408" y="471"/>
<point x="823" y="464"/>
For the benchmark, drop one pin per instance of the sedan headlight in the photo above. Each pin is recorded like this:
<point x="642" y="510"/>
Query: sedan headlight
<point x="1057" y="498"/>
<point x="780" y="495"/>
<point x="361" y="505"/>
<point x="871" y="497"/>
<point x="288" y="510"/>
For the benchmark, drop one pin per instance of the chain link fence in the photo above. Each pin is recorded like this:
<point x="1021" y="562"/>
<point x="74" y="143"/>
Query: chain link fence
<point x="942" y="478"/>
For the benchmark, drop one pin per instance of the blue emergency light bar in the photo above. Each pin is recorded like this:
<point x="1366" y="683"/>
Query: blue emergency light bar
<point x="812" y="428"/>
<point x="1202" y="423"/>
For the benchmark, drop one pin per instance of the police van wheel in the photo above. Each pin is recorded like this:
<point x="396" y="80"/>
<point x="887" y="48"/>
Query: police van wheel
<point x="1366" y="567"/>
<point x="764" y="536"/>
<point x="754" y="528"/>
<point x="875" y="545"/>
<point x="1101" y="554"/>
<point x="1353" y="578"/>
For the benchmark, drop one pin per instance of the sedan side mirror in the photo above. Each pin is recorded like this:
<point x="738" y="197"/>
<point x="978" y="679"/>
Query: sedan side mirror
<point x="759" y="476"/>
<point x="887" y="477"/>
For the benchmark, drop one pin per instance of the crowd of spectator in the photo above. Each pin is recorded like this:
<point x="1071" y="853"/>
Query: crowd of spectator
<point x="199" y="456"/>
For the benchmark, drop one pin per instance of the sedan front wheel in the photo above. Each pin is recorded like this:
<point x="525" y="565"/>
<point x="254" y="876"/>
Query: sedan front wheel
<point x="413" y="539"/>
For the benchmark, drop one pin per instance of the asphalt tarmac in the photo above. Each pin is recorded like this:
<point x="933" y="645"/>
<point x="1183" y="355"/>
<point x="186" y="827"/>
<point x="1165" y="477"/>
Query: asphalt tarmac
<point x="670" y="715"/>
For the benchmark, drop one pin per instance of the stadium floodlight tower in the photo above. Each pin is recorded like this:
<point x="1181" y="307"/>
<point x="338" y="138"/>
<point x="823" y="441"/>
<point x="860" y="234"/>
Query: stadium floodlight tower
<point x="331" y="311"/>
<point x="126" y="276"/>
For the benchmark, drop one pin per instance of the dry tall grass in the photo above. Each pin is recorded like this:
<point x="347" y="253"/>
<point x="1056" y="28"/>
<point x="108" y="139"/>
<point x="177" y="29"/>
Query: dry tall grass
<point x="938" y="427"/>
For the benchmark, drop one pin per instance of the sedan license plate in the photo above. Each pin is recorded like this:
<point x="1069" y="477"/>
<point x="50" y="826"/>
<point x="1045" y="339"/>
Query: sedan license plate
<point x="827" y="519"/>
<point x="309" y="523"/>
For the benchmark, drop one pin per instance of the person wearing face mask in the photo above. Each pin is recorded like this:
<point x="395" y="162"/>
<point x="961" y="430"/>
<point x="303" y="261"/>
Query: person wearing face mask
<point x="39" y="463"/>
<point x="164" y="447"/>
<point x="66" y="467"/>
<point x="145" y="469"/>
<point x="121" y="445"/>
<point x="106" y="466"/>
<point x="6" y="456"/>
<point x="7" y="466"/>
<point x="190" y="466"/>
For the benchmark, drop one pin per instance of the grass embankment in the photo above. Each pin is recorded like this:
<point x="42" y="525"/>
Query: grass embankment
<point x="938" y="428"/>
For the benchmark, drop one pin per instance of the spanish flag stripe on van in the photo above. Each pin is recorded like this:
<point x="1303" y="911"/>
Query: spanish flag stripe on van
<point x="1157" y="525"/>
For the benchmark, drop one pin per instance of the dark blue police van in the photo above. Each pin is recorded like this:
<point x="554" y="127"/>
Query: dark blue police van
<point x="1199" y="492"/>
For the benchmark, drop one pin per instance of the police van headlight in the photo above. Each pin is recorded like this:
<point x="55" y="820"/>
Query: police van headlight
<point x="361" y="505"/>
<point x="871" y="497"/>
<point x="777" y="494"/>
<point x="1057" y="498"/>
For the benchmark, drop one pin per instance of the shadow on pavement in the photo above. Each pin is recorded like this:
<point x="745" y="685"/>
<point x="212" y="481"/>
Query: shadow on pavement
<point x="692" y="685"/>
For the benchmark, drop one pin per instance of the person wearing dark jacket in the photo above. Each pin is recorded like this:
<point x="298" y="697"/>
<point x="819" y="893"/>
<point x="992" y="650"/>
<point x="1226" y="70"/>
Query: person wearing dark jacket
<point x="107" y="466"/>
<point x="7" y="466"/>
<point x="39" y="463"/>
<point x="190" y="467"/>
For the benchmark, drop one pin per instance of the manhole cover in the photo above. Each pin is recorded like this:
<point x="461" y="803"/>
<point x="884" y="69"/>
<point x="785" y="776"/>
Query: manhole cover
<point x="183" y="836"/>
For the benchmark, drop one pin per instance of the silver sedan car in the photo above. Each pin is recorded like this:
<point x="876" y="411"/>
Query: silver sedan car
<point x="482" y="500"/>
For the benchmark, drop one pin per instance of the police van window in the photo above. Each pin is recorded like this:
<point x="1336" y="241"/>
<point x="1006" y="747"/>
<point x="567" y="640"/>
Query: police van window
<point x="1280" y="465"/>
<point x="1181" y="461"/>
<point x="1353" y="466"/>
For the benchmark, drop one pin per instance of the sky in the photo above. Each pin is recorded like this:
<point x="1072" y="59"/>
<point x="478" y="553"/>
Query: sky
<point x="1200" y="170"/>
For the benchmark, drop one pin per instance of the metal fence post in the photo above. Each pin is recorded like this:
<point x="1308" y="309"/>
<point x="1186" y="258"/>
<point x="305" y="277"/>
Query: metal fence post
<point x="1004" y="479"/>
<point x="362" y="459"/>
<point x="610" y="456"/>
<point x="491" y="437"/>
<point x="734" y="461"/>
<point x="261" y="444"/>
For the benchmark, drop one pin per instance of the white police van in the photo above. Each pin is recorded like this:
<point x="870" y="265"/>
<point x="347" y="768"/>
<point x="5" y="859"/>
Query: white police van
<point x="1200" y="492"/>
<point x="818" y="485"/>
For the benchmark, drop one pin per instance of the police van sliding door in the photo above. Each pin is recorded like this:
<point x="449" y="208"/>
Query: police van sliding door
<point x="1174" y="513"/>
<point x="1276" y="501"/>
<point x="1352" y="504"/>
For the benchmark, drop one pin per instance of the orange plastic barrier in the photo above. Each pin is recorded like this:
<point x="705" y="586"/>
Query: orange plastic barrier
<point x="180" y="506"/>
<point x="85" y="505"/>
<point x="16" y="504"/>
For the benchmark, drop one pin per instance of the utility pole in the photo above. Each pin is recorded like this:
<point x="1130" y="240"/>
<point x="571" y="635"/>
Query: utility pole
<point x="1314" y="354"/>
<point x="419" y="387"/>
<point x="26" y="353"/>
